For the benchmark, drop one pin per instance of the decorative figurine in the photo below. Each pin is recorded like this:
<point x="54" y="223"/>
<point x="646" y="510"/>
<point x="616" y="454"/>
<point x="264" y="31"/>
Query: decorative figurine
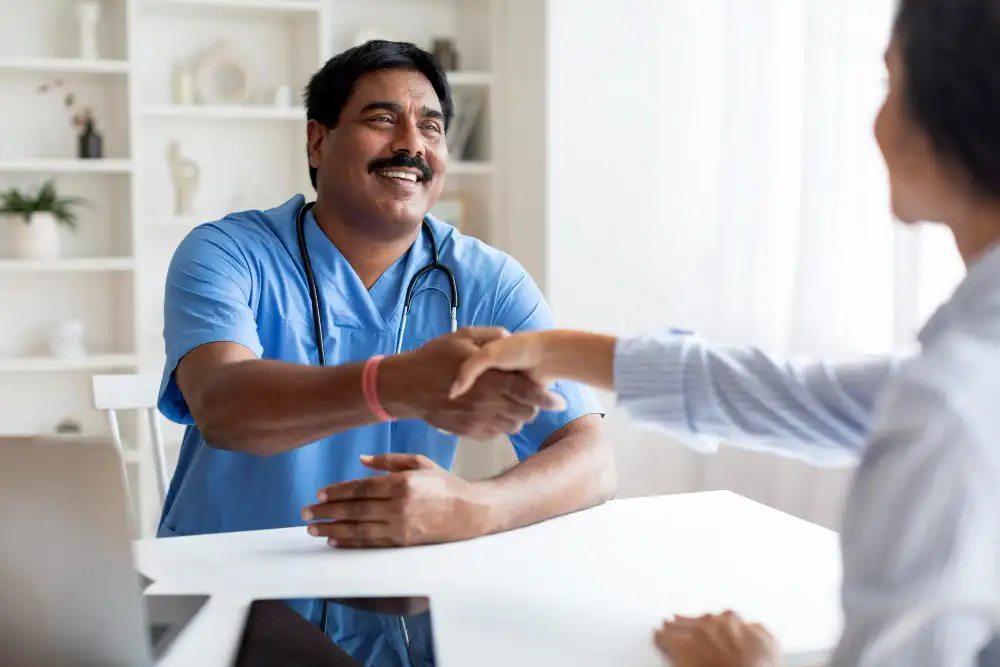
<point x="445" y="53"/>
<point x="185" y="174"/>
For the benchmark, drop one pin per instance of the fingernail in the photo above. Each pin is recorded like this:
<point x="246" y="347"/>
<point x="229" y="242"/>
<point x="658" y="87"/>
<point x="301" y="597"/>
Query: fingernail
<point x="307" y="514"/>
<point x="332" y="542"/>
<point x="321" y="496"/>
<point x="314" y="530"/>
<point x="367" y="458"/>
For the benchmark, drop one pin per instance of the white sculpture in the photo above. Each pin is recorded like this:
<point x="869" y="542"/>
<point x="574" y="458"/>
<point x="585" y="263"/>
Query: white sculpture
<point x="66" y="339"/>
<point x="88" y="14"/>
<point x="283" y="96"/>
<point x="185" y="174"/>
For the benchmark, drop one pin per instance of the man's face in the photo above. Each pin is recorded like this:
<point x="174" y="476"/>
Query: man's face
<point x="386" y="158"/>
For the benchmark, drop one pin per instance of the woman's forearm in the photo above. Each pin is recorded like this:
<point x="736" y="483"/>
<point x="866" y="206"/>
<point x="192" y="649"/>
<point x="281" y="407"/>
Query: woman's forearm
<point x="812" y="408"/>
<point x="579" y="356"/>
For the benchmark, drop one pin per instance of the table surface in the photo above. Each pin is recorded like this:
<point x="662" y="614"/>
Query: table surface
<point x="583" y="589"/>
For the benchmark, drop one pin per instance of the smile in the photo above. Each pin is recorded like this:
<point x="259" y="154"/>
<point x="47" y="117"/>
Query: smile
<point x="399" y="175"/>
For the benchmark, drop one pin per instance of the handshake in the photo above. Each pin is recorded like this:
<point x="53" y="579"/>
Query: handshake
<point x="453" y="385"/>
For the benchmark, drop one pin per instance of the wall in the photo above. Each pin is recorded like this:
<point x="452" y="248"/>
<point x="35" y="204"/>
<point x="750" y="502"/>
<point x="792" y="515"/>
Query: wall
<point x="611" y="260"/>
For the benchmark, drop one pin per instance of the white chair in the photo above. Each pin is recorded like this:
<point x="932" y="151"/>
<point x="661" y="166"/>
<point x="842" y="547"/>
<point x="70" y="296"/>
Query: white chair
<point x="134" y="392"/>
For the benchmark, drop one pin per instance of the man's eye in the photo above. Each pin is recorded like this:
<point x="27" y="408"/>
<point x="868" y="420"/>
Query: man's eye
<point x="382" y="119"/>
<point x="433" y="127"/>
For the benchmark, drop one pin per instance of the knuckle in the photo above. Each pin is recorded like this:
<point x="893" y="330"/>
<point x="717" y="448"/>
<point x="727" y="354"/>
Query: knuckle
<point x="404" y="491"/>
<point x="404" y="531"/>
<point x="397" y="506"/>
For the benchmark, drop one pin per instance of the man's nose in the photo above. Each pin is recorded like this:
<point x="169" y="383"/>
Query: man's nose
<point x="408" y="140"/>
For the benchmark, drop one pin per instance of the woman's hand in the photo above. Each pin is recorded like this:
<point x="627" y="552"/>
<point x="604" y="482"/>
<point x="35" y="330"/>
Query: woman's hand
<point x="717" y="640"/>
<point x="523" y="352"/>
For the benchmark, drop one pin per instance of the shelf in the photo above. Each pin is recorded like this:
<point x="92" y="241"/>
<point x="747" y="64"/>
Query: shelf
<point x="67" y="166"/>
<point x="260" y="112"/>
<point x="64" y="65"/>
<point x="272" y="7"/>
<point x="178" y="222"/>
<point x="470" y="168"/>
<point x="69" y="265"/>
<point x="470" y="78"/>
<point x="54" y="364"/>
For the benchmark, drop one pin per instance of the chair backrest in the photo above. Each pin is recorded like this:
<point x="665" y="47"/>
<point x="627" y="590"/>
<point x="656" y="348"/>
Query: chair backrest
<point x="126" y="392"/>
<point x="134" y="392"/>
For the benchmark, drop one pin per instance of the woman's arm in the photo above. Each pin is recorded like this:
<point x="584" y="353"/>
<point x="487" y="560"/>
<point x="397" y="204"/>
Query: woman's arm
<point x="813" y="409"/>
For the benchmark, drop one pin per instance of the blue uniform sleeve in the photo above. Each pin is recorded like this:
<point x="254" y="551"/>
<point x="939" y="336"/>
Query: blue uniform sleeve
<point x="522" y="307"/>
<point x="207" y="299"/>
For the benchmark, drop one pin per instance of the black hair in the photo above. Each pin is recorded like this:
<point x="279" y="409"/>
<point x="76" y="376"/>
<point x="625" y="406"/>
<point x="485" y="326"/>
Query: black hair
<point x="329" y="89"/>
<point x="951" y="56"/>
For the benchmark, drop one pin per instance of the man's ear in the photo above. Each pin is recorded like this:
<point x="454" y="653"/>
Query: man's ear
<point x="315" y="136"/>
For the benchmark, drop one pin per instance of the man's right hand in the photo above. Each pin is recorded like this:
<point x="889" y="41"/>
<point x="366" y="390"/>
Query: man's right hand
<point x="417" y="384"/>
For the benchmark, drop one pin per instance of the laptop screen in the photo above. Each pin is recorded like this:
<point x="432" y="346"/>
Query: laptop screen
<point x="280" y="632"/>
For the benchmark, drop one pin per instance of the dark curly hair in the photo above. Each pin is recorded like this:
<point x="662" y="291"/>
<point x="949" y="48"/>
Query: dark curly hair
<point x="329" y="89"/>
<point x="951" y="55"/>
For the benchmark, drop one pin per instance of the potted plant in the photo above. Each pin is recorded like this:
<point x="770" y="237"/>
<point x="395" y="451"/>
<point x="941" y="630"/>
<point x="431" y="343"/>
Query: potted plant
<point x="33" y="220"/>
<point x="90" y="143"/>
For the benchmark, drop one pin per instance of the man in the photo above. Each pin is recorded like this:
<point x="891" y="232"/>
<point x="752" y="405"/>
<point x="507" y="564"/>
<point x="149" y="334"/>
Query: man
<point x="271" y="431"/>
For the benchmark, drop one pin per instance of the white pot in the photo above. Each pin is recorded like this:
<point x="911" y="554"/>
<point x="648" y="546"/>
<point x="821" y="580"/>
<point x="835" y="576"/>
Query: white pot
<point x="36" y="239"/>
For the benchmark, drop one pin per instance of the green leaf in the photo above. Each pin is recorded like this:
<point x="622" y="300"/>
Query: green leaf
<point x="14" y="202"/>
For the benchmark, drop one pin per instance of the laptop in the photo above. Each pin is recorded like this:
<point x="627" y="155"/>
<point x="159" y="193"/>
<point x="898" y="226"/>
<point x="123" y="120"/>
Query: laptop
<point x="69" y="590"/>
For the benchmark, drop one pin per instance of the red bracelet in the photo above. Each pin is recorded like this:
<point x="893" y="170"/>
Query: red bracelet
<point x="369" y="387"/>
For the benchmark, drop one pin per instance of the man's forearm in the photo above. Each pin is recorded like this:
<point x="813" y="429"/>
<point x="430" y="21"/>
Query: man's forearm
<point x="261" y="406"/>
<point x="573" y="471"/>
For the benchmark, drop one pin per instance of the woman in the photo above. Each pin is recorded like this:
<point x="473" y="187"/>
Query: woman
<point x="921" y="530"/>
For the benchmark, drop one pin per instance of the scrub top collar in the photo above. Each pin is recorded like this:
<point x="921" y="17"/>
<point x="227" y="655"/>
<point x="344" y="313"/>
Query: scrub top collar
<point x="344" y="295"/>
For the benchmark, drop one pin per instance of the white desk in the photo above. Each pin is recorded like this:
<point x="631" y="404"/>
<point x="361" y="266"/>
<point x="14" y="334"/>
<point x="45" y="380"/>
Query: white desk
<point x="583" y="590"/>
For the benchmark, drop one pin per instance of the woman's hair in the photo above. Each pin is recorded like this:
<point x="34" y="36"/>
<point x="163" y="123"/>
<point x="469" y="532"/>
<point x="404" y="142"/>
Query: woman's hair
<point x="951" y="55"/>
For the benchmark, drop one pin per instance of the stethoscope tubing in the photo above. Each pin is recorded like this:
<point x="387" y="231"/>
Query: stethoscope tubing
<point x="317" y="310"/>
<point x="315" y="297"/>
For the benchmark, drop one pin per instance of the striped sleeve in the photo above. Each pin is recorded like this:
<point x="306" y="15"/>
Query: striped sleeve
<point x="815" y="410"/>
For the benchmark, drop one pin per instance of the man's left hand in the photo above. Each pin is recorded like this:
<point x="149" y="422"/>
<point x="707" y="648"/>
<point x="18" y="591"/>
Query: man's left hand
<point x="416" y="502"/>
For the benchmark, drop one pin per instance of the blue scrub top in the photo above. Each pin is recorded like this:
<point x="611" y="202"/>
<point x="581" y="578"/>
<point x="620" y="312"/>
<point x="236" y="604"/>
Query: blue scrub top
<point x="241" y="279"/>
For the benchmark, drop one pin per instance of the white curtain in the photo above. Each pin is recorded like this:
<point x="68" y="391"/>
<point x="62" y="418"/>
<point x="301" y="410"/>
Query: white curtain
<point x="771" y="108"/>
<point x="710" y="164"/>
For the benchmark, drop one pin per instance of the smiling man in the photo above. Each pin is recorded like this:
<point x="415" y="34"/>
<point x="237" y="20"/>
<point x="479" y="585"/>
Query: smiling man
<point x="281" y="434"/>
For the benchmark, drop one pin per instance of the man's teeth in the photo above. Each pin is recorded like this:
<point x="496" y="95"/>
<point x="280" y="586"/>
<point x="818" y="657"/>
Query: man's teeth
<point x="405" y="175"/>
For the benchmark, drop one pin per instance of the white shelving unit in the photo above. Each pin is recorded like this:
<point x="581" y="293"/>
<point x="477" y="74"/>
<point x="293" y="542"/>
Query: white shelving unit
<point x="56" y="166"/>
<point x="207" y="112"/>
<point x="97" y="362"/>
<point x="83" y="265"/>
<point x="269" y="8"/>
<point x="113" y="266"/>
<point x="64" y="66"/>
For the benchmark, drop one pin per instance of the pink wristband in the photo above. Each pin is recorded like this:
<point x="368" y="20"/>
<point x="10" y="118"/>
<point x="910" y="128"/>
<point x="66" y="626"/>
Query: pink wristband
<point x="369" y="387"/>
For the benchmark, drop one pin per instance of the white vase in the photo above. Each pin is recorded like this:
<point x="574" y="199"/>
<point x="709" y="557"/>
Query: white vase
<point x="88" y="14"/>
<point x="66" y="339"/>
<point x="36" y="239"/>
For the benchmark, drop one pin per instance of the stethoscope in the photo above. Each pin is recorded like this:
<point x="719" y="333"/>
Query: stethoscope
<point x="435" y="264"/>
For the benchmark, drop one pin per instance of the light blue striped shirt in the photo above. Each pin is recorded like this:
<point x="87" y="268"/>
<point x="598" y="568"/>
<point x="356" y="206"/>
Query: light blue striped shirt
<point x="813" y="410"/>
<point x="921" y="529"/>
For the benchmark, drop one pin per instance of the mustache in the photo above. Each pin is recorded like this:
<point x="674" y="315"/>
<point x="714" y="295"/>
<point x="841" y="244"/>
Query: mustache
<point x="381" y="164"/>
